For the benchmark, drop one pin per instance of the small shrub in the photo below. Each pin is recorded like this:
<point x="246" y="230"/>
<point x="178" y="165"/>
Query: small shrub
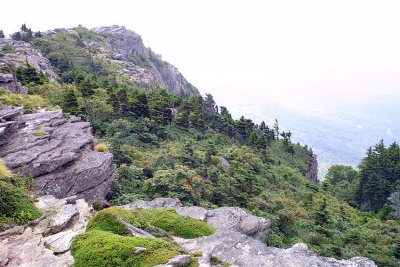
<point x="101" y="147"/>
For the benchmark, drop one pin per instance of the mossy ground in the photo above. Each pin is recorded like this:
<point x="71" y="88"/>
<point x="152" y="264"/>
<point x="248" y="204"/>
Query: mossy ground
<point x="105" y="242"/>
<point x="100" y="248"/>
<point x="165" y="219"/>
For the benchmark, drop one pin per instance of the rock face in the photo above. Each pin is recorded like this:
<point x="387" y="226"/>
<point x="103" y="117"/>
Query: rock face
<point x="312" y="173"/>
<point x="47" y="240"/>
<point x="58" y="152"/>
<point x="140" y="63"/>
<point x="238" y="240"/>
<point x="19" y="53"/>
<point x="8" y="82"/>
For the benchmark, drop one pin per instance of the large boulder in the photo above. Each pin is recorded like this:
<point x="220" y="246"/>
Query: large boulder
<point x="57" y="151"/>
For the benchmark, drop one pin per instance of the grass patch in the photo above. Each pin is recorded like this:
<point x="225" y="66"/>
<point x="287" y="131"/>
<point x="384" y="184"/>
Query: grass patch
<point x="100" y="248"/>
<point x="31" y="103"/>
<point x="165" y="219"/>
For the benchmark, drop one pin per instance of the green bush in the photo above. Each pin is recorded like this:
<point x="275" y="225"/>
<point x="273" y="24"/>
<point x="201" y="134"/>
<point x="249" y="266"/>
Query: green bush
<point x="99" y="248"/>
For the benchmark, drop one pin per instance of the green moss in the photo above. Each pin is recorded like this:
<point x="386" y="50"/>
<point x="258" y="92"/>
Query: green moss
<point x="15" y="204"/>
<point x="106" y="221"/>
<point x="39" y="133"/>
<point x="99" y="248"/>
<point x="165" y="219"/>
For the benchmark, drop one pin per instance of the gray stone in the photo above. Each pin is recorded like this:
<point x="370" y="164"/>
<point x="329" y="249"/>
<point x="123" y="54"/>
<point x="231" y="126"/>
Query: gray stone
<point x="178" y="261"/>
<point x="60" y="242"/>
<point x="224" y="163"/>
<point x="57" y="152"/>
<point x="238" y="220"/>
<point x="193" y="212"/>
<point x="240" y="250"/>
<point x="27" y="250"/>
<point x="139" y="250"/>
<point x="134" y="231"/>
<point x="155" y="203"/>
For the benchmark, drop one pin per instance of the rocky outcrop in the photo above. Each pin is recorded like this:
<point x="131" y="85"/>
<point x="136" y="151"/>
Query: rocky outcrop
<point x="19" y="53"/>
<point x="312" y="173"/>
<point x="47" y="240"/>
<point x="238" y="240"/>
<point x="7" y="81"/>
<point x="57" y="151"/>
<point x="140" y="63"/>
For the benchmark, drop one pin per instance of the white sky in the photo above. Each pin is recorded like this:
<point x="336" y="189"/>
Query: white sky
<point x="294" y="52"/>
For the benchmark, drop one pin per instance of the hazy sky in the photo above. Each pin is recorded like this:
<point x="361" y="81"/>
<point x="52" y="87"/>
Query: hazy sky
<point x="294" y="52"/>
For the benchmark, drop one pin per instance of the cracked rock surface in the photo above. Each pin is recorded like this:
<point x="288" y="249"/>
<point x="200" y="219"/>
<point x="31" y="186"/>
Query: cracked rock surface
<point x="47" y="240"/>
<point x="238" y="240"/>
<point x="58" y="152"/>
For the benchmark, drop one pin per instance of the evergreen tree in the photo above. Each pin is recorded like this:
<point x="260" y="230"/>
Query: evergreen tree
<point x="70" y="102"/>
<point x="2" y="34"/>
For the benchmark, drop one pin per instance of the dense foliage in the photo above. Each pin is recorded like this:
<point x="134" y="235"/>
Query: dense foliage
<point x="188" y="147"/>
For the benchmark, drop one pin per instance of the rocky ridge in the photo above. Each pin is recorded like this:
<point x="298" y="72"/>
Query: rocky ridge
<point x="238" y="239"/>
<point x="140" y="63"/>
<point x="57" y="151"/>
<point x="16" y="54"/>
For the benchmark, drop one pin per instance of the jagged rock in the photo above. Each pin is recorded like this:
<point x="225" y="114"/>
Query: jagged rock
<point x="180" y="260"/>
<point x="58" y="152"/>
<point x="312" y="173"/>
<point x="27" y="246"/>
<point x="155" y="203"/>
<point x="28" y="250"/>
<point x="57" y="220"/>
<point x="22" y="53"/>
<point x="8" y="82"/>
<point x="8" y="113"/>
<point x="240" y="250"/>
<point x="142" y="65"/>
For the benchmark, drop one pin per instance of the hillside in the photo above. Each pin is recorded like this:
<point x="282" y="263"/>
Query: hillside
<point x="167" y="141"/>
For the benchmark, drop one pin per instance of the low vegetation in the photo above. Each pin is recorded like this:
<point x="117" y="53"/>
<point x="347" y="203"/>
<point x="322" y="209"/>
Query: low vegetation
<point x="106" y="243"/>
<point x="165" y="219"/>
<point x="16" y="207"/>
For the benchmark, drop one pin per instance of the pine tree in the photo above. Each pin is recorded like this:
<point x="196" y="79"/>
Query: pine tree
<point x="70" y="102"/>
<point x="2" y="34"/>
